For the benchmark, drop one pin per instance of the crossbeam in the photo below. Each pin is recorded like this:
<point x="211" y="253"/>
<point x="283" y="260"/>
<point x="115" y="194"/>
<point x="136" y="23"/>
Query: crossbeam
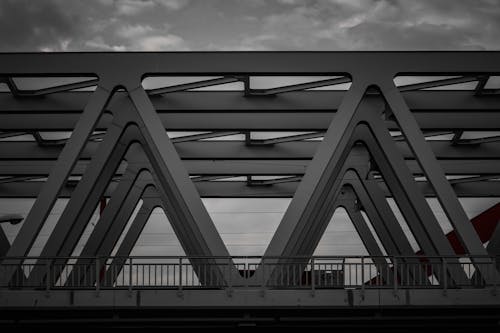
<point x="193" y="85"/>
<point x="236" y="150"/>
<point x="437" y="83"/>
<point x="298" y="87"/>
<point x="49" y="90"/>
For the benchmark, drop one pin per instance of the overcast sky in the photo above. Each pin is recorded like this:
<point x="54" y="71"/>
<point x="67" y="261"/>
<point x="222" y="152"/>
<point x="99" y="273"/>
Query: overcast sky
<point x="170" y="25"/>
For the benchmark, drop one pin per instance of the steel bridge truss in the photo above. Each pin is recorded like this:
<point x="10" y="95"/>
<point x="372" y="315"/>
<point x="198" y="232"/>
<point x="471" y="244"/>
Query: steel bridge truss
<point x="358" y="138"/>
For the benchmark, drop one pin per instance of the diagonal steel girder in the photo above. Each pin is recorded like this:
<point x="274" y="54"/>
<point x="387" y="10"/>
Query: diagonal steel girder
<point x="353" y="203"/>
<point x="79" y="210"/>
<point x="172" y="177"/>
<point x="111" y="224"/>
<point x="430" y="166"/>
<point x="389" y="230"/>
<point x="57" y="177"/>
<point x="307" y="206"/>
<point x="354" y="185"/>
<point x="118" y="211"/>
<point x="149" y="204"/>
<point x="137" y="160"/>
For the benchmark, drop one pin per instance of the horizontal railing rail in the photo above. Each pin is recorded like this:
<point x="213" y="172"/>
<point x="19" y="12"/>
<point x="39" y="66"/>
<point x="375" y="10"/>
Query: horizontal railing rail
<point x="182" y="272"/>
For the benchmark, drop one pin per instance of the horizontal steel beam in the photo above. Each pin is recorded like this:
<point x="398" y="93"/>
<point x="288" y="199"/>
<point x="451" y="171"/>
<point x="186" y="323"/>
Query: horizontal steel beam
<point x="464" y="309"/>
<point x="227" y="63"/>
<point x="478" y="141"/>
<point x="250" y="121"/>
<point x="246" y="167"/>
<point x="433" y="110"/>
<point x="235" y="101"/>
<point x="236" y="150"/>
<point x="474" y="179"/>
<point x="236" y="189"/>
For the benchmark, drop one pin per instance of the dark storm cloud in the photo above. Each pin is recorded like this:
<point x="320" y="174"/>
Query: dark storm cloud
<point x="125" y="25"/>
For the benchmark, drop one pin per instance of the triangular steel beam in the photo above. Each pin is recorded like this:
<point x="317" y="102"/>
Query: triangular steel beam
<point x="149" y="204"/>
<point x="184" y="203"/>
<point x="348" y="200"/>
<point x="120" y="208"/>
<point x="435" y="175"/>
<point x="309" y="205"/>
<point x="111" y="224"/>
<point x="57" y="178"/>
<point x="185" y="208"/>
<point x="80" y="208"/>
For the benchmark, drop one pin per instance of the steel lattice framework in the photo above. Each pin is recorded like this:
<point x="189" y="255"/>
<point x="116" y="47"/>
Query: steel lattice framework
<point x="119" y="149"/>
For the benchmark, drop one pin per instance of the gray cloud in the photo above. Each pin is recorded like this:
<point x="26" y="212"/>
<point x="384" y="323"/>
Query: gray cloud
<point x="380" y="25"/>
<point x="36" y="25"/>
<point x="125" y="25"/>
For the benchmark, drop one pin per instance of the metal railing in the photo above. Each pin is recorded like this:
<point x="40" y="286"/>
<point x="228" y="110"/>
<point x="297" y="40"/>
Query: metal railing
<point x="356" y="272"/>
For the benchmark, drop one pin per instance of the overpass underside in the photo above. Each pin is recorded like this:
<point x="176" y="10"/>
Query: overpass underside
<point x="116" y="131"/>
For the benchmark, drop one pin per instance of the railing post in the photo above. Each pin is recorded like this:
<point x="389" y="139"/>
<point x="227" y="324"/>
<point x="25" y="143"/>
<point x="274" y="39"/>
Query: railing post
<point x="130" y="282"/>
<point x="97" y="275"/>
<point x="263" y="282"/>
<point x="313" y="279"/>
<point x="495" y="271"/>
<point x="247" y="272"/>
<point x="229" y="277"/>
<point x="179" y="292"/>
<point x="362" y="277"/>
<point x="47" y="276"/>
<point x="395" y="273"/>
<point x="445" y="278"/>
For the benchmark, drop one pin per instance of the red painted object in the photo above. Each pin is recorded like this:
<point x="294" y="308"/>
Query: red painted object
<point x="484" y="224"/>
